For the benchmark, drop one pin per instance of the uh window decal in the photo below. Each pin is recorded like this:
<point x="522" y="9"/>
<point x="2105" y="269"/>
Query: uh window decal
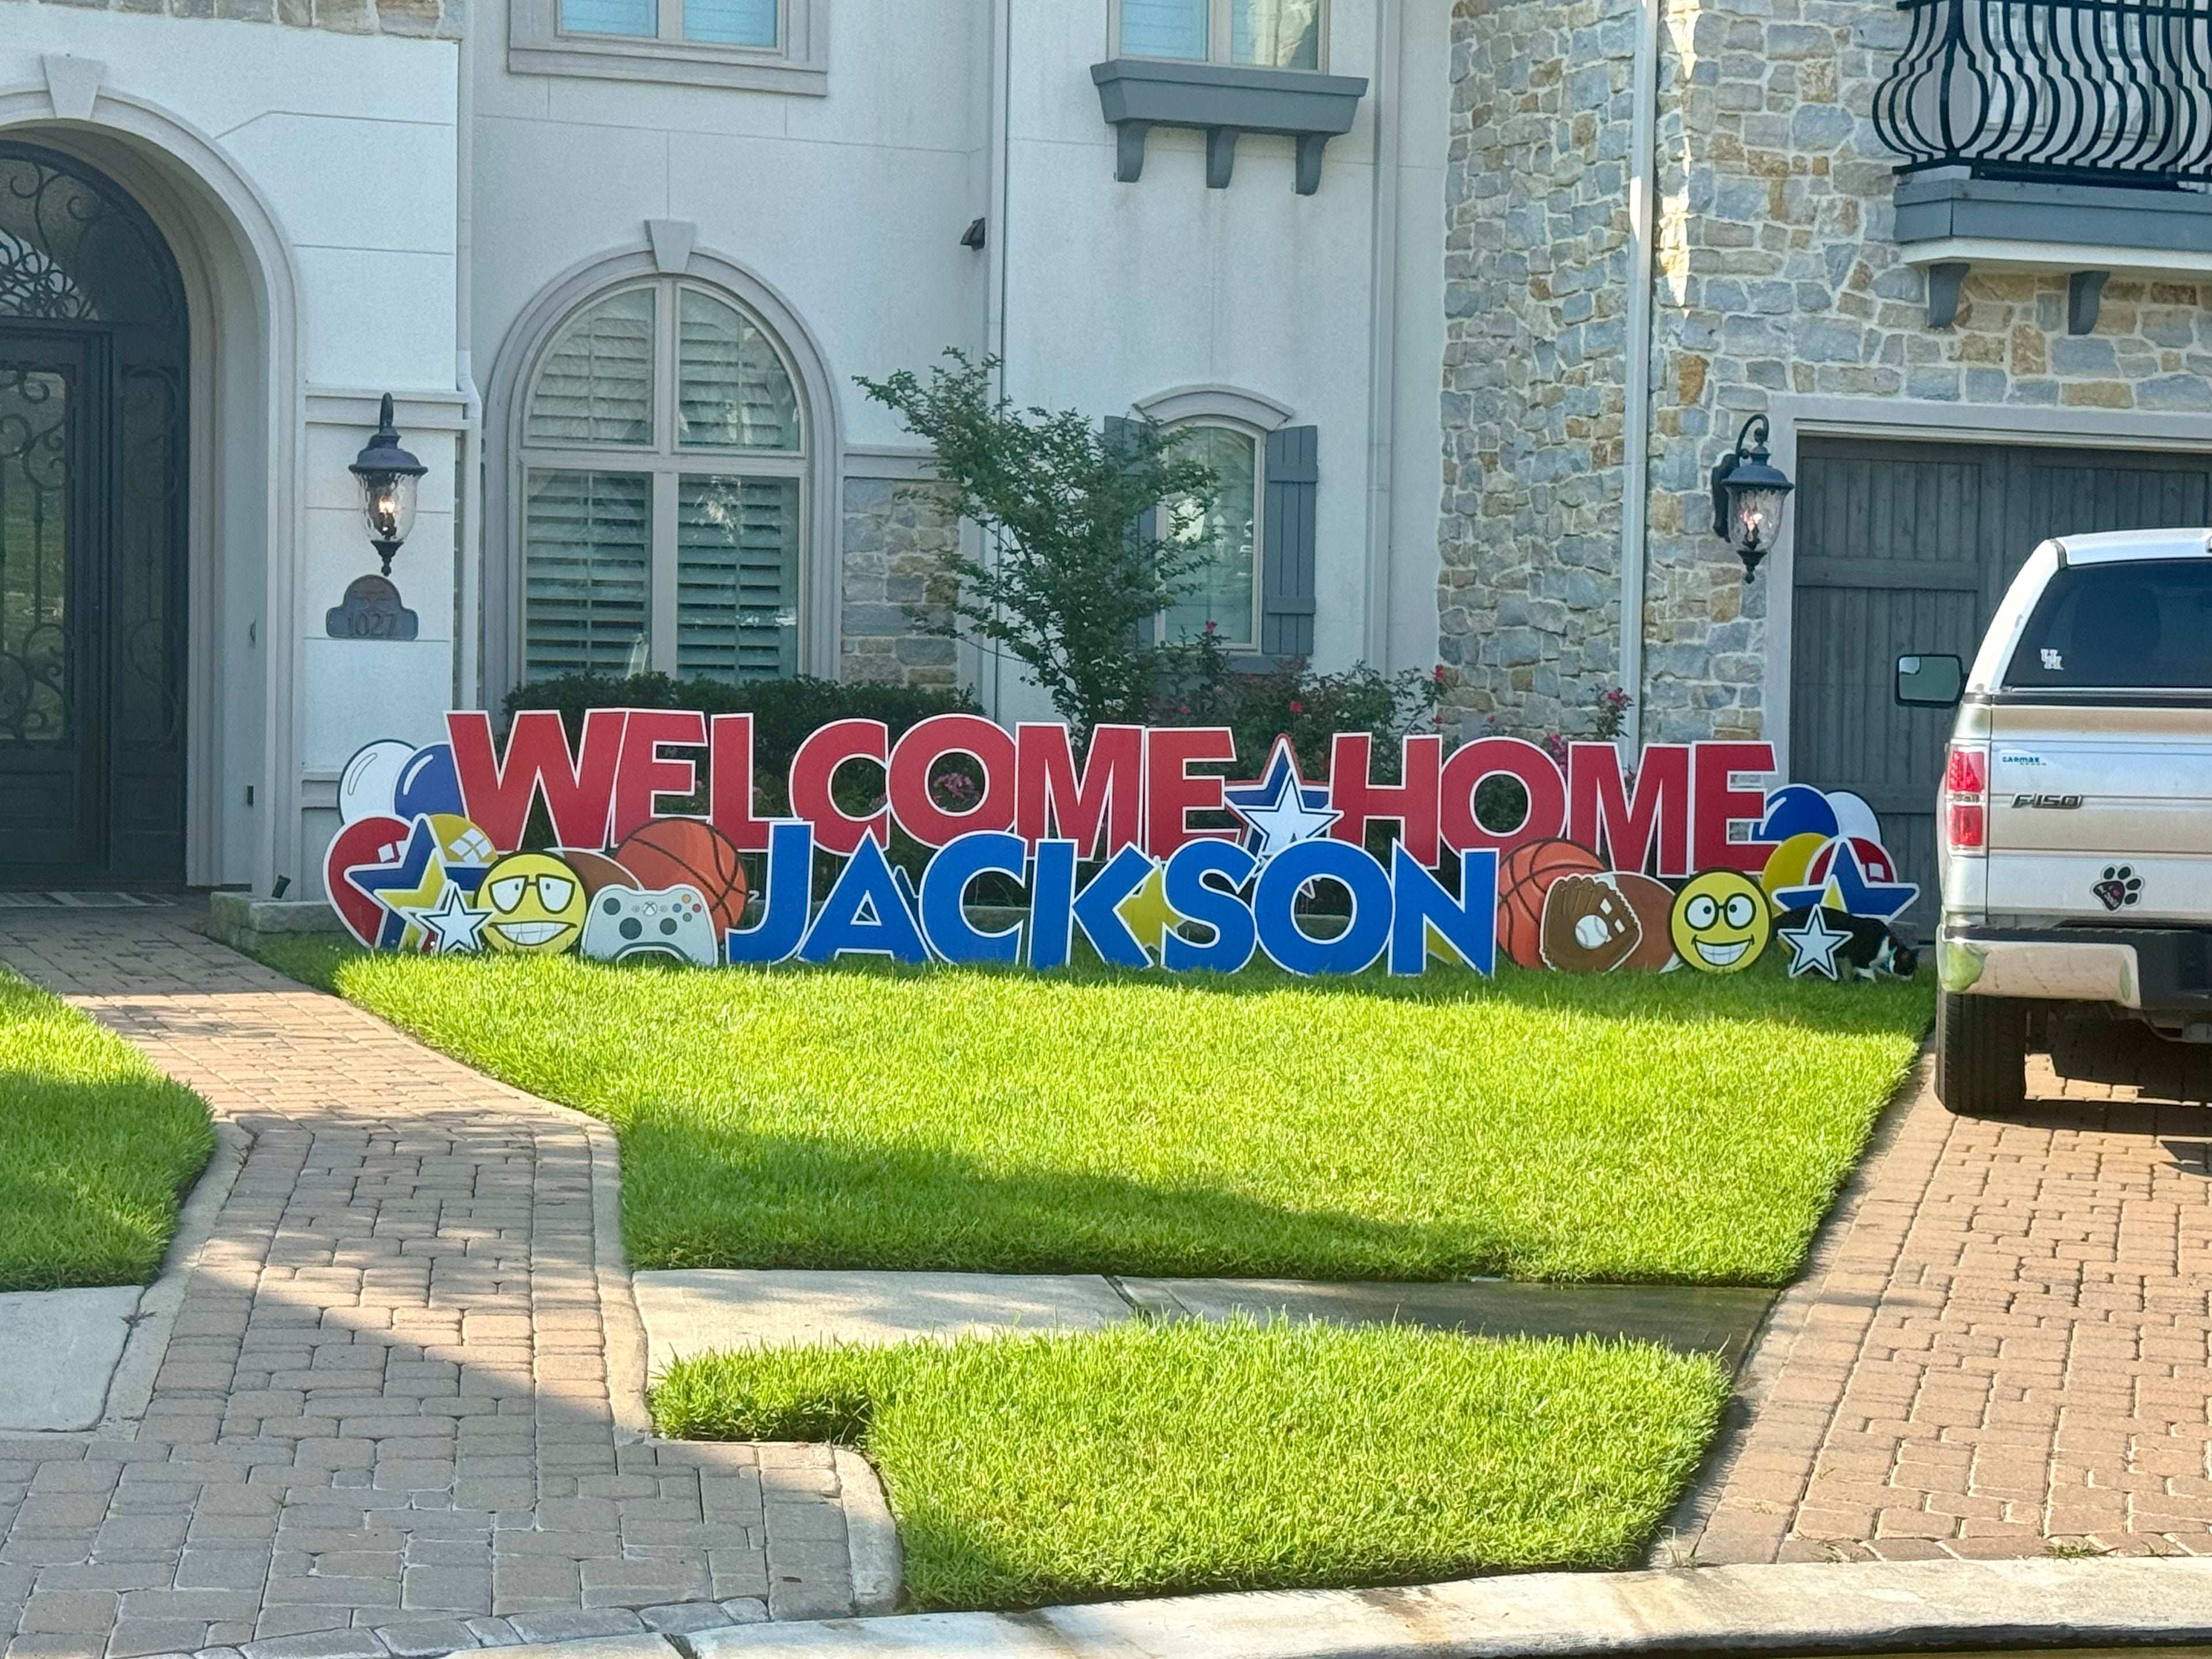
<point x="1689" y="861"/>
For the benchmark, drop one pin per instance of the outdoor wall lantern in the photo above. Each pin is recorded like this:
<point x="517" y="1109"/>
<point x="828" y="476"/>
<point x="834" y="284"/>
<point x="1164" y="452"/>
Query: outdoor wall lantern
<point x="1750" y="497"/>
<point x="387" y="477"/>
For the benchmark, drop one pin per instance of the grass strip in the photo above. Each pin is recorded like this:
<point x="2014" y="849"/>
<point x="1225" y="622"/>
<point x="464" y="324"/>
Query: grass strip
<point x="1537" y="1126"/>
<point x="1149" y="1459"/>
<point x="97" y="1149"/>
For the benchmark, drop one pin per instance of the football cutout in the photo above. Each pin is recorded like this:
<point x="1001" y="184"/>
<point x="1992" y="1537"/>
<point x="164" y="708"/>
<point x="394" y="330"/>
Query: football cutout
<point x="596" y="871"/>
<point x="1524" y="881"/>
<point x="688" y="853"/>
<point x="1653" y="901"/>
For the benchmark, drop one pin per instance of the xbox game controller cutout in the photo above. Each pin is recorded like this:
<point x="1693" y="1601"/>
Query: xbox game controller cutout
<point x="674" y="923"/>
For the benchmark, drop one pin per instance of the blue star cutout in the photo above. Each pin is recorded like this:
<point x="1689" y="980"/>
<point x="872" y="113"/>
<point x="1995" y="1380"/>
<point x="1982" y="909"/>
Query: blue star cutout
<point x="1855" y="895"/>
<point x="1281" y="809"/>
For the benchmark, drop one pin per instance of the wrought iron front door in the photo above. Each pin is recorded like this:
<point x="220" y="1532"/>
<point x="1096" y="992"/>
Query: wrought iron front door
<point x="50" y="729"/>
<point x="93" y="356"/>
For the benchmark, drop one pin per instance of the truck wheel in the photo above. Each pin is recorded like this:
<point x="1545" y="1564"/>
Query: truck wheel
<point x="1981" y="1053"/>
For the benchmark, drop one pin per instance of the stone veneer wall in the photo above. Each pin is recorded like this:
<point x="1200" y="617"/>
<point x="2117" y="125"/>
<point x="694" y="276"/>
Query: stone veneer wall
<point x="1536" y="269"/>
<point x="1777" y="272"/>
<point x="441" y="19"/>
<point x="898" y="593"/>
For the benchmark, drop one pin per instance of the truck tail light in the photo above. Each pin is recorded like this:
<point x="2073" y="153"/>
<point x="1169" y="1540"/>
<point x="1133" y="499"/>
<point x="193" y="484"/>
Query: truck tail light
<point x="1967" y="798"/>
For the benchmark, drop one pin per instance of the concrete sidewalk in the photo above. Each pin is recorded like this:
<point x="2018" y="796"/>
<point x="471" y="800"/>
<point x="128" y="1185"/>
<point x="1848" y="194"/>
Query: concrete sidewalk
<point x="1870" y="1608"/>
<point x="704" y="1310"/>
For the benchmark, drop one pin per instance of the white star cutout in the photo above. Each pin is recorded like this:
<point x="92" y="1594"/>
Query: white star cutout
<point x="1282" y="808"/>
<point x="453" y="924"/>
<point x="1813" y="947"/>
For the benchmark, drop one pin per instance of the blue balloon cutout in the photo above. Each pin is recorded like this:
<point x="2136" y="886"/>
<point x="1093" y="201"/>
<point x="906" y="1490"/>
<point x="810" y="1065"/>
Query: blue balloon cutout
<point x="1797" y="808"/>
<point x="429" y="783"/>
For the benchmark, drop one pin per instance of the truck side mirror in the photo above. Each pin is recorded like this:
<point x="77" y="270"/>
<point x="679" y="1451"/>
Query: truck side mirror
<point x="1930" y="681"/>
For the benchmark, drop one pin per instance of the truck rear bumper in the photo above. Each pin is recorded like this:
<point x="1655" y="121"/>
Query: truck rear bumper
<point x="2151" y="969"/>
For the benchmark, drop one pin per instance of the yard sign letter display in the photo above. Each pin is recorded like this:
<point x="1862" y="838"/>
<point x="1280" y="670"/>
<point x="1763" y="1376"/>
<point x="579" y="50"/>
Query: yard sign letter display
<point x="1691" y="861"/>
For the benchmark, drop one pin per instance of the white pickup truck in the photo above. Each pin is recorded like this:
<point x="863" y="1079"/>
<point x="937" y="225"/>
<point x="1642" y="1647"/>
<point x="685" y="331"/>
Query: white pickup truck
<point x="2075" y="827"/>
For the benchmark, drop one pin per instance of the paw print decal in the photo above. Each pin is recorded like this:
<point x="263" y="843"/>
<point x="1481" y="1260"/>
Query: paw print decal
<point x="2120" y="888"/>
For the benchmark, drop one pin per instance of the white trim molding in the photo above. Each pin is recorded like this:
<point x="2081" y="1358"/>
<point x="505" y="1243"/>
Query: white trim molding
<point x="907" y="463"/>
<point x="1194" y="402"/>
<point x="1794" y="417"/>
<point x="1989" y="253"/>
<point x="821" y="555"/>
<point x="799" y="63"/>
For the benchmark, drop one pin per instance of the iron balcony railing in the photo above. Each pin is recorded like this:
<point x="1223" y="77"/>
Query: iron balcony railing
<point x="2107" y="91"/>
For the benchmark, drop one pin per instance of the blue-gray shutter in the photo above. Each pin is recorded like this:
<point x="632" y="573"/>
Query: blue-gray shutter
<point x="1286" y="564"/>
<point x="1121" y="436"/>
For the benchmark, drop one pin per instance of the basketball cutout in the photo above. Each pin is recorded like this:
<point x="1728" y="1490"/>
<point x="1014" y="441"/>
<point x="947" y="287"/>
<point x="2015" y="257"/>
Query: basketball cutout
<point x="688" y="853"/>
<point x="1524" y="880"/>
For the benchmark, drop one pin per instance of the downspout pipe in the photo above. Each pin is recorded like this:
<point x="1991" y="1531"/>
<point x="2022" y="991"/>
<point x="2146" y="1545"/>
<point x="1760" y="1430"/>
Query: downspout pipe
<point x="998" y="251"/>
<point x="1636" y="418"/>
<point x="468" y="465"/>
<point x="1382" y="344"/>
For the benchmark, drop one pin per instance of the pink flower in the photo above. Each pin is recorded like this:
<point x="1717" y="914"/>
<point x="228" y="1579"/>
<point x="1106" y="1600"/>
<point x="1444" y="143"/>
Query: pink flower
<point x="1297" y="708"/>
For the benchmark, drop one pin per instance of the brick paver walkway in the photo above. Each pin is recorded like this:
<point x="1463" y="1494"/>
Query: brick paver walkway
<point x="2004" y="1344"/>
<point x="383" y="1422"/>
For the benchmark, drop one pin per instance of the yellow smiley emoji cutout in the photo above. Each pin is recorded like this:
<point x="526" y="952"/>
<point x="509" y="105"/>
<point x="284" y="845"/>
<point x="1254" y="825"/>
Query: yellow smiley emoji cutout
<point x="1722" y="922"/>
<point x="537" y="904"/>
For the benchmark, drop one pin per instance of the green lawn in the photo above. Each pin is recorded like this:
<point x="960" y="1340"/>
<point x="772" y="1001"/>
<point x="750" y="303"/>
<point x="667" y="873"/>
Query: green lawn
<point x="1539" y="1126"/>
<point x="1148" y="1460"/>
<point x="96" y="1149"/>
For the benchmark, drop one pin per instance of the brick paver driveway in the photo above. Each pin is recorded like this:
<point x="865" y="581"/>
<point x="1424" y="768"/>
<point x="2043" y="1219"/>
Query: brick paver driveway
<point x="2001" y="1348"/>
<point x="383" y="1421"/>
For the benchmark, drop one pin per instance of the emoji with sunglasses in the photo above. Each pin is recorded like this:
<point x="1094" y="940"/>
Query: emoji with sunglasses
<point x="537" y="904"/>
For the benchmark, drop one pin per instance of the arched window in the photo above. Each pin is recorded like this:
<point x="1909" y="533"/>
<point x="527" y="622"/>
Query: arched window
<point x="665" y="489"/>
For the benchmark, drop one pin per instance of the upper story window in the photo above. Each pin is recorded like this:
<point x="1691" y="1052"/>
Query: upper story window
<point x="1266" y="33"/>
<point x="664" y="472"/>
<point x="724" y="22"/>
<point x="779" y="45"/>
<point x="1225" y="541"/>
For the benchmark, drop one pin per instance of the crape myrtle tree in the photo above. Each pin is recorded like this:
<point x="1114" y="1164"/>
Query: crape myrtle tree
<point x="1076" y="509"/>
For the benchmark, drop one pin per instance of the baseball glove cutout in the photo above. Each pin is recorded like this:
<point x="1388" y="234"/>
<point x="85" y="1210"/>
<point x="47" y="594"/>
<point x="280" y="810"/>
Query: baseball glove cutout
<point x="1589" y="927"/>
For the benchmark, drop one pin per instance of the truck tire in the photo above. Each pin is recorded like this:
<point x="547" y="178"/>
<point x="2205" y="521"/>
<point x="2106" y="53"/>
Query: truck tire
<point x="1981" y="1053"/>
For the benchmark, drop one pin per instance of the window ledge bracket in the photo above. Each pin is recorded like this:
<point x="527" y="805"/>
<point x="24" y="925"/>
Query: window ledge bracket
<point x="1225" y="101"/>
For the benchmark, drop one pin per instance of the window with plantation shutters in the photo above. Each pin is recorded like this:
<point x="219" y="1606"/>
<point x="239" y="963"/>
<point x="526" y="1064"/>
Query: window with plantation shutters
<point x="665" y="466"/>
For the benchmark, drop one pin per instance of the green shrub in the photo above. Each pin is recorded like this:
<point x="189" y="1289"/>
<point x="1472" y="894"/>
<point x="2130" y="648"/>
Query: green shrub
<point x="1202" y="686"/>
<point x="784" y="711"/>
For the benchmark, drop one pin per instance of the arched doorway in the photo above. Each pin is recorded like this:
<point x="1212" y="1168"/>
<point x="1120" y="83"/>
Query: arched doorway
<point x="93" y="419"/>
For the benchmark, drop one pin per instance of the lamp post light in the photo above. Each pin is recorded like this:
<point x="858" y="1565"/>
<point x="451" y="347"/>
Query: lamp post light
<point x="387" y="476"/>
<point x="1750" y="497"/>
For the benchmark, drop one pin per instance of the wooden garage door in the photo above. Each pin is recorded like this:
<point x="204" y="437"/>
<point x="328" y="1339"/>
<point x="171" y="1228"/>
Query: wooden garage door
<point x="1904" y="547"/>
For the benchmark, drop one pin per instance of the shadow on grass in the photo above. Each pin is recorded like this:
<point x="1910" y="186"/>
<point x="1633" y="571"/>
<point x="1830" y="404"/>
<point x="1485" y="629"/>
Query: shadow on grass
<point x="750" y="1200"/>
<point x="1766" y="994"/>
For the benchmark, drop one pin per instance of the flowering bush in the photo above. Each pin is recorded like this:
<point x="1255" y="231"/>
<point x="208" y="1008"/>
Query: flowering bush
<point x="1204" y="686"/>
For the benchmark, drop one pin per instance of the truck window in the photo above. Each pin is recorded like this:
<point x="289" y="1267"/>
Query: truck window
<point x="2120" y="627"/>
